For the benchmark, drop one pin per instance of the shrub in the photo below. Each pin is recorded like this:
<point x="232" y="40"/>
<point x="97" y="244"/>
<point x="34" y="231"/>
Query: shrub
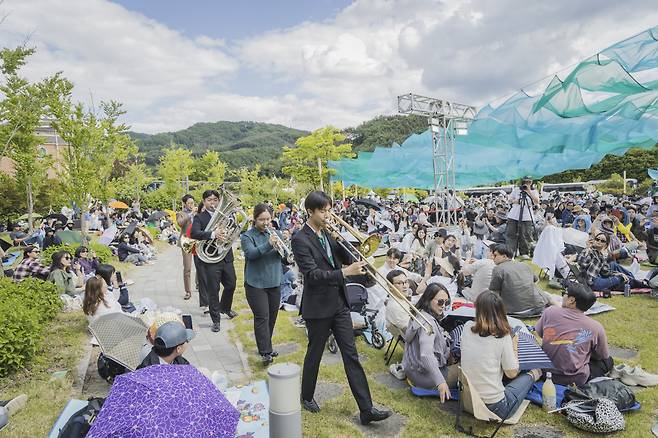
<point x="38" y="295"/>
<point x="103" y="253"/>
<point x="20" y="333"/>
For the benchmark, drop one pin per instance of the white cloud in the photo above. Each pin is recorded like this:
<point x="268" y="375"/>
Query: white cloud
<point x="339" y="71"/>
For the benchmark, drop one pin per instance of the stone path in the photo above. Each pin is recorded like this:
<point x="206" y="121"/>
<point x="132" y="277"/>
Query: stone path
<point x="163" y="283"/>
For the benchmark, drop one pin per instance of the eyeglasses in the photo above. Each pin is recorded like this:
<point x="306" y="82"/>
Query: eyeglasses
<point x="442" y="302"/>
<point x="601" y="240"/>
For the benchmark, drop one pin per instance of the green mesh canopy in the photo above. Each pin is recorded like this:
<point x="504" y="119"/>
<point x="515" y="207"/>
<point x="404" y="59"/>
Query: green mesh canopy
<point x="605" y="105"/>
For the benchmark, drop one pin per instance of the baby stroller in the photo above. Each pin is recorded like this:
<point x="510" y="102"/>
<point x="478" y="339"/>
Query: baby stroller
<point x="357" y="299"/>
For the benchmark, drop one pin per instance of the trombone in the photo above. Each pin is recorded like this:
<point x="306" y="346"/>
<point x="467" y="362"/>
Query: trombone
<point x="367" y="247"/>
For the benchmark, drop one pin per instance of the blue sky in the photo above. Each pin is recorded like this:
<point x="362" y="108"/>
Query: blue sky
<point x="234" y="19"/>
<point x="306" y="64"/>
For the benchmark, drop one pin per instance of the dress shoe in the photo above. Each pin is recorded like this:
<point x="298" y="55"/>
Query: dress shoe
<point x="215" y="327"/>
<point x="231" y="314"/>
<point x="311" y="406"/>
<point x="266" y="358"/>
<point x="373" y="414"/>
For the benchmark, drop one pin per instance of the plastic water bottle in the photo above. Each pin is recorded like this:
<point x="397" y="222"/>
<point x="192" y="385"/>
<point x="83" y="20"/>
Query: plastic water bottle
<point x="548" y="395"/>
<point x="627" y="290"/>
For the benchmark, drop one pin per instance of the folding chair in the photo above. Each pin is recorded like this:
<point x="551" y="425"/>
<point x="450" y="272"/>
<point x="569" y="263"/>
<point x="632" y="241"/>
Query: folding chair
<point x="397" y="337"/>
<point x="470" y="401"/>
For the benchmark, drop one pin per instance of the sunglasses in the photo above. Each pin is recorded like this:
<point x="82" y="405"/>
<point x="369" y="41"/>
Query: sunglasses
<point x="67" y="257"/>
<point x="442" y="302"/>
<point x="601" y="240"/>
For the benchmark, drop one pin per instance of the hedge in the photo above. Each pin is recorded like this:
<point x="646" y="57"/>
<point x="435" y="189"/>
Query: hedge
<point x="103" y="253"/>
<point x="25" y="309"/>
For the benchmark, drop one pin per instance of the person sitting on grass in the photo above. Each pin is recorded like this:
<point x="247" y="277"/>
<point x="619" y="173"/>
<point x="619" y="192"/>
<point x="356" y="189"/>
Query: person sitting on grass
<point x="427" y="361"/>
<point x="97" y="301"/>
<point x="115" y="286"/>
<point x="30" y="266"/>
<point x="51" y="239"/>
<point x="576" y="343"/>
<point x="87" y="260"/>
<point x="489" y="351"/>
<point x="600" y="274"/>
<point x="169" y="344"/>
<point x="129" y="253"/>
<point x="66" y="275"/>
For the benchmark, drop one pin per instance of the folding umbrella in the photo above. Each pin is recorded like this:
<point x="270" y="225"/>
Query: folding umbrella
<point x="165" y="401"/>
<point x="156" y="216"/>
<point x="120" y="337"/>
<point x="368" y="203"/>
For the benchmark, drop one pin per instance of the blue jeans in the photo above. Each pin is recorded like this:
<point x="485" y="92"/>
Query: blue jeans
<point x="515" y="392"/>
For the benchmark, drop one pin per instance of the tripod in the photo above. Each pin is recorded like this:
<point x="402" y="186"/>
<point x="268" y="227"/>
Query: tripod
<point x="524" y="202"/>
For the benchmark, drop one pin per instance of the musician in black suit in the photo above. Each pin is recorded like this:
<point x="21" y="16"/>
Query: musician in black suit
<point x="324" y="305"/>
<point x="211" y="275"/>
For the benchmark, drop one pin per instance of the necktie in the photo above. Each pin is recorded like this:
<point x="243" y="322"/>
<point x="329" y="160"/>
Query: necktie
<point x="323" y="242"/>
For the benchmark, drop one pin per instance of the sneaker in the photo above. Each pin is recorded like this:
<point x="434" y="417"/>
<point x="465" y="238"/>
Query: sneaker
<point x="15" y="404"/>
<point x="618" y="371"/>
<point x="266" y="359"/>
<point x="215" y="327"/>
<point x="300" y="323"/>
<point x="397" y="371"/>
<point x="274" y="353"/>
<point x="636" y="376"/>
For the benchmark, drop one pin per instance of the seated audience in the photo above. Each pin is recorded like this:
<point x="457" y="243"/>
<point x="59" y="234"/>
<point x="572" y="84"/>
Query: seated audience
<point x="65" y="274"/>
<point x="600" y="274"/>
<point x="129" y="253"/>
<point x="393" y="259"/>
<point x="489" y="351"/>
<point x="515" y="283"/>
<point x="445" y="275"/>
<point x="576" y="343"/>
<point x="51" y="239"/>
<point x="115" y="287"/>
<point x="169" y="345"/>
<point x="87" y="260"/>
<point x="18" y="236"/>
<point x="427" y="361"/>
<point x="397" y="309"/>
<point x="30" y="266"/>
<point x="480" y="272"/>
<point x="97" y="300"/>
<point x="652" y="241"/>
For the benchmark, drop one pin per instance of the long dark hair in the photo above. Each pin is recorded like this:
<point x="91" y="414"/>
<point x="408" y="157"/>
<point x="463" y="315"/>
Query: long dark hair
<point x="490" y="316"/>
<point x="93" y="295"/>
<point x="105" y="271"/>
<point x="57" y="260"/>
<point x="424" y="230"/>
<point x="427" y="296"/>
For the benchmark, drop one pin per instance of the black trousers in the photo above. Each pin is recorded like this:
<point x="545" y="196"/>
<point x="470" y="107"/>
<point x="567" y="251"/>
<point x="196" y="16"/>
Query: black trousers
<point x="264" y="303"/>
<point x="210" y="276"/>
<point x="318" y="333"/>
<point x="600" y="368"/>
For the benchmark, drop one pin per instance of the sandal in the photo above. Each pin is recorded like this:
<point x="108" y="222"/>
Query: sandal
<point x="187" y="296"/>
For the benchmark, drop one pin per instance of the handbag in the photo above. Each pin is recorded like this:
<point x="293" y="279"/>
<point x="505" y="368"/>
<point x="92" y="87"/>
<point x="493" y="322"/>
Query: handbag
<point x="605" y="418"/>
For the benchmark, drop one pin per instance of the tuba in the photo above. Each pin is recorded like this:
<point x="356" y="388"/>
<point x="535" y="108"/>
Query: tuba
<point x="229" y="217"/>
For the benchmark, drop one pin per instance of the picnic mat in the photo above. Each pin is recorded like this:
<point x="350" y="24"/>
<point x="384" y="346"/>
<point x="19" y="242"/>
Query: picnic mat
<point x="11" y="258"/>
<point x="531" y="355"/>
<point x="253" y="403"/>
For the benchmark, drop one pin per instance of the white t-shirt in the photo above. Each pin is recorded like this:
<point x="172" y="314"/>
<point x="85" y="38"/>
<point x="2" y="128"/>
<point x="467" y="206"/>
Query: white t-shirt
<point x="481" y="271"/>
<point x="483" y="361"/>
<point x="514" y="211"/>
<point x="112" y="306"/>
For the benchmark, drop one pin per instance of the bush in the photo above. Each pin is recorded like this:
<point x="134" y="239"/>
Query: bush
<point x="103" y="252"/>
<point x="25" y="308"/>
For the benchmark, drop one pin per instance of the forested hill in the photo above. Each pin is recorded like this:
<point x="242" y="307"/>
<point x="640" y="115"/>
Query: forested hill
<point x="238" y="143"/>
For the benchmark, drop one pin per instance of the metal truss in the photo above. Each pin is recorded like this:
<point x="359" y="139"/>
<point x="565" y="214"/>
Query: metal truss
<point x="446" y="120"/>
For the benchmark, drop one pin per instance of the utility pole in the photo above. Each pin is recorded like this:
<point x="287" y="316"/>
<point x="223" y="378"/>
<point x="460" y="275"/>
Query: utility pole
<point x="446" y="120"/>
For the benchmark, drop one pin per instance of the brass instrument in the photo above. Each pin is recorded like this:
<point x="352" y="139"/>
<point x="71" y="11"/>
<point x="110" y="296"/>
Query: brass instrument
<point x="280" y="246"/>
<point x="367" y="246"/>
<point x="227" y="217"/>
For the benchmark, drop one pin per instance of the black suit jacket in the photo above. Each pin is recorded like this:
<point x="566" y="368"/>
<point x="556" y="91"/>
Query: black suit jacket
<point x="324" y="284"/>
<point x="197" y="232"/>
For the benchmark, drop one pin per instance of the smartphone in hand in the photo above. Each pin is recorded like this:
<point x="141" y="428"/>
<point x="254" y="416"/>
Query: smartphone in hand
<point x="187" y="321"/>
<point x="119" y="278"/>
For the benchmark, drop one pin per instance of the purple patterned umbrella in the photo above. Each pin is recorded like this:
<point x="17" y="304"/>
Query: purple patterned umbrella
<point x="165" y="401"/>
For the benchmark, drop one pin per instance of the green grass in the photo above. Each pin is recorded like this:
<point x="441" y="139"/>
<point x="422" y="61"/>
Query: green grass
<point x="61" y="350"/>
<point x="633" y="325"/>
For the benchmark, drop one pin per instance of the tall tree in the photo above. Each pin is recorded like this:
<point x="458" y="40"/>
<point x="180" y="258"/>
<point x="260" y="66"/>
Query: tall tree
<point x="209" y="169"/>
<point x="130" y="185"/>
<point x="311" y="153"/>
<point x="175" y="168"/>
<point x="94" y="144"/>
<point x="22" y="109"/>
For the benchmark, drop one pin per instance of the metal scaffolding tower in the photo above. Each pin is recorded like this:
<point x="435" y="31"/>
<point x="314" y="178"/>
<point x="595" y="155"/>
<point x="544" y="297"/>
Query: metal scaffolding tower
<point x="446" y="120"/>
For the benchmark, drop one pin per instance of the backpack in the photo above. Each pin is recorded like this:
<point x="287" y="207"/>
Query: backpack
<point x="80" y="422"/>
<point x="109" y="369"/>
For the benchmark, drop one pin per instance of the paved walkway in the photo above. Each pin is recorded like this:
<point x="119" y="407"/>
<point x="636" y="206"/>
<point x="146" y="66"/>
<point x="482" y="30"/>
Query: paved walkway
<point x="163" y="283"/>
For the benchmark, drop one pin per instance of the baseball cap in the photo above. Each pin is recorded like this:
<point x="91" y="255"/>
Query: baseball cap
<point x="172" y="334"/>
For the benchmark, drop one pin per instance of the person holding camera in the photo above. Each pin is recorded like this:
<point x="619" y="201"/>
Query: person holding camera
<point x="519" y="217"/>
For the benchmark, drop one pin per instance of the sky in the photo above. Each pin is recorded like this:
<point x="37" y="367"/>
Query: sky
<point x="307" y="64"/>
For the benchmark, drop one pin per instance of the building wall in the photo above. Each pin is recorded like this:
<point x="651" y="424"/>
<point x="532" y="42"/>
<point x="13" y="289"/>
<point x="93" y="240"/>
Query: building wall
<point x="52" y="146"/>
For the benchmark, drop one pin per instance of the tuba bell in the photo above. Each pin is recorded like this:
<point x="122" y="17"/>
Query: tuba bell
<point x="229" y="217"/>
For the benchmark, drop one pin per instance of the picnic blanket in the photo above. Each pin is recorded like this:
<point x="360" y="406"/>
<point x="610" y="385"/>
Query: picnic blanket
<point x="253" y="403"/>
<point x="11" y="258"/>
<point x="531" y="355"/>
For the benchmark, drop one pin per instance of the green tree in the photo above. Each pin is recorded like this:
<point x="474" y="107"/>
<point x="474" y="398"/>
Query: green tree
<point x="303" y="162"/>
<point x="130" y="186"/>
<point x="209" y="169"/>
<point x="94" y="144"/>
<point x="252" y="188"/>
<point x="22" y="109"/>
<point x="175" y="168"/>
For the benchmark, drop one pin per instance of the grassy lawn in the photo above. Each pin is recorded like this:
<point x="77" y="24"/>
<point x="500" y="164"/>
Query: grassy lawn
<point x="633" y="325"/>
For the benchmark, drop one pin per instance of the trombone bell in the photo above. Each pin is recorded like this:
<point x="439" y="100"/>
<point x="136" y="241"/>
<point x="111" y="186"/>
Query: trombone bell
<point x="369" y="245"/>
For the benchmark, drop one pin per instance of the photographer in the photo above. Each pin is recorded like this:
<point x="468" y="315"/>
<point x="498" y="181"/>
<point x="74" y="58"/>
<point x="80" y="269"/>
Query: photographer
<point x="519" y="223"/>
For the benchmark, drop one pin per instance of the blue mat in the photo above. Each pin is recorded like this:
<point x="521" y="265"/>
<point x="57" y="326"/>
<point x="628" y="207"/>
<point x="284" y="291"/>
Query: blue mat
<point x="11" y="258"/>
<point x="422" y="392"/>
<point x="535" y="396"/>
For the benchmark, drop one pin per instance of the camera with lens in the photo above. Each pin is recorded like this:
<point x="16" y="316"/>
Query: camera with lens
<point x="523" y="187"/>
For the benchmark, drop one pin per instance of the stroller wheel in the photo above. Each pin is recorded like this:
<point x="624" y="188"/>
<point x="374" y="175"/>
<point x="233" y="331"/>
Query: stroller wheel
<point x="378" y="340"/>
<point x="332" y="346"/>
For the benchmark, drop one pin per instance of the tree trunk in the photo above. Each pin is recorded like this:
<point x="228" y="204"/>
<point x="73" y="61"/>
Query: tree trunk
<point x="30" y="205"/>
<point x="320" y="171"/>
